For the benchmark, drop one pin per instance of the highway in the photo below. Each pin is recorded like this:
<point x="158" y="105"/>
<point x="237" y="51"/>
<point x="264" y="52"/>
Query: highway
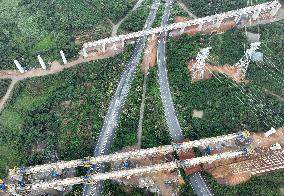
<point x="197" y="182"/>
<point x="106" y="136"/>
<point x="171" y="118"/>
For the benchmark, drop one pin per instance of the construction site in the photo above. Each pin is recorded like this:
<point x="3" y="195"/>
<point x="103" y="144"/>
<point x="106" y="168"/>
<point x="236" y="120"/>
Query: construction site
<point x="230" y="159"/>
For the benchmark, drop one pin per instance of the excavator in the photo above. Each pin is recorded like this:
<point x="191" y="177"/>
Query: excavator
<point x="2" y="185"/>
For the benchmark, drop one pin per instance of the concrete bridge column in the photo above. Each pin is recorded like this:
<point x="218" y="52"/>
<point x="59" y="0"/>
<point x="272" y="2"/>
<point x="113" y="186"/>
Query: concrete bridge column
<point x="274" y="11"/>
<point x="41" y="62"/>
<point x="256" y="14"/>
<point x="200" y="26"/>
<point x="218" y="23"/>
<point x="63" y="57"/>
<point x="104" y="47"/>
<point x="18" y="65"/>
<point x="85" y="54"/>
<point x="114" y="46"/>
<point x="237" y="19"/>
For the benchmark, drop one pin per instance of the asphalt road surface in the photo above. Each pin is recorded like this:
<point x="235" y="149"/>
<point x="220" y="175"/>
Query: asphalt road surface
<point x="106" y="136"/>
<point x="197" y="182"/>
<point x="171" y="118"/>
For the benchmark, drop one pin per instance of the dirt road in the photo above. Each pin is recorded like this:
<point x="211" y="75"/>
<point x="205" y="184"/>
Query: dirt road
<point x="55" y="67"/>
<point x="8" y="93"/>
<point x="183" y="6"/>
<point x="116" y="26"/>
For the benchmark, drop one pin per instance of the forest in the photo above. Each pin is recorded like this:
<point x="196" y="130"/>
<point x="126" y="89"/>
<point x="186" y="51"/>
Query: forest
<point x="4" y="84"/>
<point x="32" y="27"/>
<point x="64" y="111"/>
<point x="136" y="20"/>
<point x="61" y="115"/>
<point x="203" y="8"/>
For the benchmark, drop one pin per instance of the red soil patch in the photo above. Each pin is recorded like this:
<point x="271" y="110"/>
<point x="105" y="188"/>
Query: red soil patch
<point x="155" y="180"/>
<point x="55" y="66"/>
<point x="150" y="54"/>
<point x="228" y="70"/>
<point x="207" y="28"/>
<point x="238" y="170"/>
<point x="188" y="154"/>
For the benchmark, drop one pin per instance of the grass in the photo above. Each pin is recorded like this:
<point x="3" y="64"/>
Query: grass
<point x="45" y="43"/>
<point x="11" y="120"/>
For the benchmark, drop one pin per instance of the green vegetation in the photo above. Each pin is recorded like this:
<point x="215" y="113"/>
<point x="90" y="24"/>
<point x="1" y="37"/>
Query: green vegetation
<point x="4" y="84"/>
<point x="33" y="27"/>
<point x="114" y="10"/>
<point x="64" y="111"/>
<point x="272" y="46"/>
<point x="155" y="130"/>
<point x="267" y="184"/>
<point x="209" y="7"/>
<point x="112" y="188"/>
<point x="126" y="133"/>
<point x="135" y="21"/>
<point x="219" y="98"/>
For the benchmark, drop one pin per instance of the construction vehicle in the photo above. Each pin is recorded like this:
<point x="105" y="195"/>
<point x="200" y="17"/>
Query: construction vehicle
<point x="87" y="180"/>
<point x="22" y="184"/>
<point x="243" y="138"/>
<point x="87" y="165"/>
<point x="177" y="146"/>
<point x="208" y="150"/>
<point x="22" y="170"/>
<point x="275" y="146"/>
<point x="16" y="175"/>
<point x="2" y="185"/>
<point x="246" y="133"/>
<point x="126" y="164"/>
<point x="93" y="167"/>
<point x="249" y="150"/>
<point x="54" y="173"/>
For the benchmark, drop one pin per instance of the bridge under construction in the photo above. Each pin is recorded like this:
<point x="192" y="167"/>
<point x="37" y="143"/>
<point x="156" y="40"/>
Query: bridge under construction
<point x="254" y="13"/>
<point x="24" y="180"/>
<point x="17" y="184"/>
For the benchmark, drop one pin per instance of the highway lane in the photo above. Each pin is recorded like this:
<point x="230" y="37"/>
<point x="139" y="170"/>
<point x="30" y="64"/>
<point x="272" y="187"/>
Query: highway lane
<point x="171" y="118"/>
<point x="197" y="182"/>
<point x="106" y="136"/>
<point x="199" y="185"/>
